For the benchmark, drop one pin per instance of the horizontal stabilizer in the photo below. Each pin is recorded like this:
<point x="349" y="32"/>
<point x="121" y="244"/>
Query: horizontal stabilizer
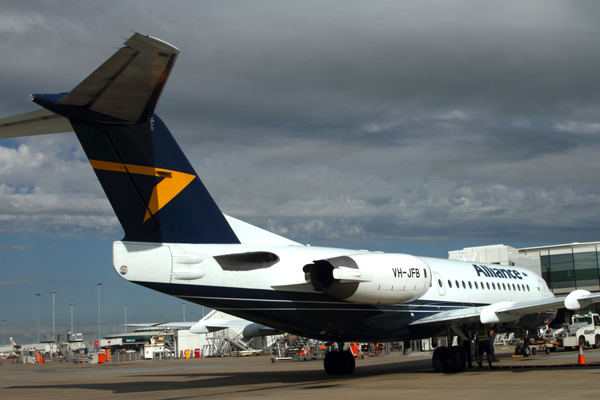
<point x="37" y="122"/>
<point x="127" y="86"/>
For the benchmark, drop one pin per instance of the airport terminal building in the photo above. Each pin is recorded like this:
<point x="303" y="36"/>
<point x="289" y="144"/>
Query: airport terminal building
<point x="565" y="267"/>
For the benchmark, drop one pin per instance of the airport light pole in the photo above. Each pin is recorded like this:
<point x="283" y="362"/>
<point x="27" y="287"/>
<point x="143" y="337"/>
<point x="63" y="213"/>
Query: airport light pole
<point x="183" y="304"/>
<point x="38" y="301"/>
<point x="53" y="293"/>
<point x="71" y="320"/>
<point x="4" y="334"/>
<point x="99" y="331"/>
<point x="125" y="305"/>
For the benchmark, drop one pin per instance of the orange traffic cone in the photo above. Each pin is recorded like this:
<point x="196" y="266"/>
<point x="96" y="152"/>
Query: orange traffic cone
<point x="581" y="358"/>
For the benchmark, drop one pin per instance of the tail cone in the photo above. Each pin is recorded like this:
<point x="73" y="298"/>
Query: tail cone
<point x="581" y="358"/>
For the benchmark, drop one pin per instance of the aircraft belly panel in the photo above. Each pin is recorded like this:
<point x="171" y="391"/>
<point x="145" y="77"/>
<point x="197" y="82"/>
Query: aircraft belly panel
<point x="310" y="314"/>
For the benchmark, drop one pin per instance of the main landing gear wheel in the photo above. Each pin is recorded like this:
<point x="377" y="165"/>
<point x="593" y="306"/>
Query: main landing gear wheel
<point x="518" y="349"/>
<point x="339" y="363"/>
<point x="457" y="359"/>
<point x="453" y="359"/>
<point x="440" y="356"/>
<point x="525" y="350"/>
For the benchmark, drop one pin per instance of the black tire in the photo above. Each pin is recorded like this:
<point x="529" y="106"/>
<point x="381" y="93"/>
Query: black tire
<point x="345" y="363"/>
<point x="548" y="350"/>
<point x="526" y="350"/>
<point x="439" y="359"/>
<point x="457" y="359"/>
<point x="568" y="348"/>
<point x="597" y="341"/>
<point x="330" y="363"/>
<point x="518" y="349"/>
<point x="552" y="349"/>
<point x="582" y="342"/>
<point x="533" y="351"/>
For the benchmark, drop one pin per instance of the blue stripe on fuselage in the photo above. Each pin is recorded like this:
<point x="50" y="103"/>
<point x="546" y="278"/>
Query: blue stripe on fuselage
<point x="315" y="314"/>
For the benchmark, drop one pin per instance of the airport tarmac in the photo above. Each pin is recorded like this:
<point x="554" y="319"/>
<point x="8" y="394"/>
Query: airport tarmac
<point x="395" y="376"/>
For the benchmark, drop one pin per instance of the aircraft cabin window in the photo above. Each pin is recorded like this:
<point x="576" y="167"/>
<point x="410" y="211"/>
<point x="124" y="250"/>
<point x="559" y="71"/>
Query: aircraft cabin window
<point x="493" y="285"/>
<point x="425" y="272"/>
<point x="450" y="283"/>
<point x="457" y="284"/>
<point x="483" y="287"/>
<point x="470" y="287"/>
<point x="528" y="288"/>
<point x="488" y="285"/>
<point x="464" y="286"/>
<point x="519" y="287"/>
<point x="514" y="288"/>
<point x="440" y="283"/>
<point x="504" y="287"/>
<point x="475" y="285"/>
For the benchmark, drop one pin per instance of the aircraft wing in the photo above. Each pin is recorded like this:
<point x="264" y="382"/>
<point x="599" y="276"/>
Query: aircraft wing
<point x="162" y="325"/>
<point x="509" y="311"/>
<point x="213" y="325"/>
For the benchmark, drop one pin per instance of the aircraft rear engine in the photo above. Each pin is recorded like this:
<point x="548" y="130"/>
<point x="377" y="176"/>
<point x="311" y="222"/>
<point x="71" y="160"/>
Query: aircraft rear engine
<point x="371" y="278"/>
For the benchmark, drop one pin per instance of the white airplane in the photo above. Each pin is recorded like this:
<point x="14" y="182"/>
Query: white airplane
<point x="177" y="241"/>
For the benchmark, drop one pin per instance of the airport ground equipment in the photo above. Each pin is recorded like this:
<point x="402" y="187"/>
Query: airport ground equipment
<point x="291" y="347"/>
<point x="583" y="331"/>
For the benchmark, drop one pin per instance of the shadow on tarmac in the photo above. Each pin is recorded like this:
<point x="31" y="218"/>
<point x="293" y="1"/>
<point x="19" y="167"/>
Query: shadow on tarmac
<point x="255" y="380"/>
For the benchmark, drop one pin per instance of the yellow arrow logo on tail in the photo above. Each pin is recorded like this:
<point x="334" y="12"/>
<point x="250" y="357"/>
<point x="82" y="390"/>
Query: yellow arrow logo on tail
<point x="165" y="191"/>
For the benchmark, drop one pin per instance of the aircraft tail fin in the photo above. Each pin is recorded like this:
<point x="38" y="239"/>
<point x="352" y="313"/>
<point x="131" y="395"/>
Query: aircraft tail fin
<point x="150" y="184"/>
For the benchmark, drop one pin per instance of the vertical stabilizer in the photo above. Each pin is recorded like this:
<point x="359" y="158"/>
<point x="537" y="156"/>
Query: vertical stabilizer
<point x="150" y="184"/>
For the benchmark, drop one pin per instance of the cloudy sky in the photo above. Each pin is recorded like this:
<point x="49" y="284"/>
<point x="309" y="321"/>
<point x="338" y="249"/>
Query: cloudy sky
<point x="416" y="127"/>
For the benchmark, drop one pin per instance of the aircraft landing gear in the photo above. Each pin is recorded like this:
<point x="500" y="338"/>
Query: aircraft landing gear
<point x="453" y="359"/>
<point x="339" y="363"/>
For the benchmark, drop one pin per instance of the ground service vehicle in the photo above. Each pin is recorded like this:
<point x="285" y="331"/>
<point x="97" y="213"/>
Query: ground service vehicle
<point x="583" y="331"/>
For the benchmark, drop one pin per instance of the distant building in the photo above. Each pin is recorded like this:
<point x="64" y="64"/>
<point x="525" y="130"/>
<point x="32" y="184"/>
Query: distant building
<point x="496" y="254"/>
<point x="567" y="267"/>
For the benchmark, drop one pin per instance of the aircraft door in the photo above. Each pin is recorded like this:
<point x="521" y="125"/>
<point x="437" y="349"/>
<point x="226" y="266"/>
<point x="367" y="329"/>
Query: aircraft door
<point x="439" y="282"/>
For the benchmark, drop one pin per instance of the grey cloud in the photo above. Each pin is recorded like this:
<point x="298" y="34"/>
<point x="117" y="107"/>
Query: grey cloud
<point x="5" y="248"/>
<point x="334" y="122"/>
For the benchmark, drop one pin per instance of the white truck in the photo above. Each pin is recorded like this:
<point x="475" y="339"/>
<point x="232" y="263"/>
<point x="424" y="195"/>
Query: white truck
<point x="583" y="331"/>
